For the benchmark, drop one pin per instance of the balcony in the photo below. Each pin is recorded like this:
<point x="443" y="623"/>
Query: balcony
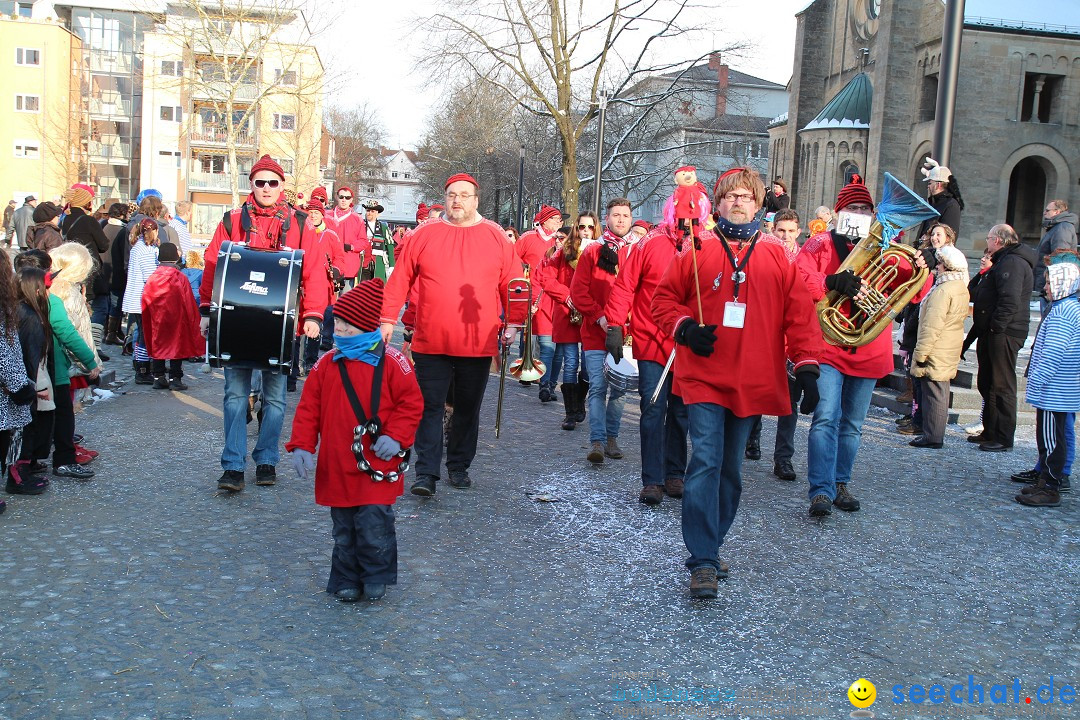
<point x="219" y="91"/>
<point x="218" y="137"/>
<point x="215" y="182"/>
<point x="110" y="107"/>
<point x="115" y="153"/>
<point x="103" y="61"/>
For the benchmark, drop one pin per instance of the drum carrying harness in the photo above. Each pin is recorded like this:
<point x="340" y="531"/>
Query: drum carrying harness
<point x="247" y="225"/>
<point x="371" y="427"/>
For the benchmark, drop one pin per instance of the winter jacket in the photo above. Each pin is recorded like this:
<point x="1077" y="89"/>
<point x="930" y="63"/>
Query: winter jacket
<point x="1053" y="375"/>
<point x="66" y="337"/>
<point x="32" y="338"/>
<point x="589" y="293"/>
<point x="83" y="229"/>
<point x="555" y="276"/>
<point x="325" y="420"/>
<point x="24" y="218"/>
<point x="776" y="203"/>
<point x="949" y="214"/>
<point x="13" y="378"/>
<point x="43" y="236"/>
<point x="113" y="229"/>
<point x="1002" y="297"/>
<point x="194" y="276"/>
<point x="1060" y="235"/>
<point x="532" y="247"/>
<point x="941" y="331"/>
<point x="78" y="311"/>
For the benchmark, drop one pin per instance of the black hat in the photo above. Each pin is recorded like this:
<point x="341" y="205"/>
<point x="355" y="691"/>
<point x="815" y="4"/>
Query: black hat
<point x="29" y="198"/>
<point x="373" y="205"/>
<point x="45" y="212"/>
<point x="168" y="252"/>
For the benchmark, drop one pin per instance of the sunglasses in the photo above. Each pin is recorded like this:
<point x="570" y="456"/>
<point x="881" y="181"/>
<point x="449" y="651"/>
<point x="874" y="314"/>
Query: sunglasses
<point x="344" y="197"/>
<point x="590" y="226"/>
<point x="267" y="183"/>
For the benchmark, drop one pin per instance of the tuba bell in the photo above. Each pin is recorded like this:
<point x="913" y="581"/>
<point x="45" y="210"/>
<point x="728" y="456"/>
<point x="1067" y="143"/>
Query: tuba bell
<point x="888" y="269"/>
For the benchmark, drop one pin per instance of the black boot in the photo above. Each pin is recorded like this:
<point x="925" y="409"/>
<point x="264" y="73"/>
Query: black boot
<point x="142" y="374"/>
<point x="569" y="398"/>
<point x="582" y="398"/>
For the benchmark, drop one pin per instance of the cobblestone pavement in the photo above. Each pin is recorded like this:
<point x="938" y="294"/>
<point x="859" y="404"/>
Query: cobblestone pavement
<point x="146" y="594"/>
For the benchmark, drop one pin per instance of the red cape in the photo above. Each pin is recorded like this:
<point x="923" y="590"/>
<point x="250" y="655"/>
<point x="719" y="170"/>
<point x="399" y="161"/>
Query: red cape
<point x="170" y="318"/>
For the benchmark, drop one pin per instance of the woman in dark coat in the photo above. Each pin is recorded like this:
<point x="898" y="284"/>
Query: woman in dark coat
<point x="16" y="389"/>
<point x="81" y="227"/>
<point x="25" y="476"/>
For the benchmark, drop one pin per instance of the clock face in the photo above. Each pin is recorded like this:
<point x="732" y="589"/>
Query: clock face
<point x="864" y="18"/>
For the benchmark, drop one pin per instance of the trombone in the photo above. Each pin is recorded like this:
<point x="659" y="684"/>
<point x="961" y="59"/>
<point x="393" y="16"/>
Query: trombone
<point x="526" y="368"/>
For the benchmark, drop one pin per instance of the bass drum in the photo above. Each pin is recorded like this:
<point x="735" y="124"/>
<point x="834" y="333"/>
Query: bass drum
<point x="254" y="307"/>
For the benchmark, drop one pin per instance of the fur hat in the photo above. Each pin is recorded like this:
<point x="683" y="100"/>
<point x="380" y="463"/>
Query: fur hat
<point x="952" y="258"/>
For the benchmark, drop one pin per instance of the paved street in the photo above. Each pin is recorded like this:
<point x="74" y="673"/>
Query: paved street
<point x="146" y="594"/>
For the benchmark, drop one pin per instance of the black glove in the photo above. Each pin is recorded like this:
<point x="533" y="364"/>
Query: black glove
<point x="806" y="380"/>
<point x="700" y="339"/>
<point x="922" y="363"/>
<point x="929" y="256"/>
<point x="614" y="341"/>
<point x="348" y="247"/>
<point x="408" y="335"/>
<point x="24" y="395"/>
<point x="845" y="283"/>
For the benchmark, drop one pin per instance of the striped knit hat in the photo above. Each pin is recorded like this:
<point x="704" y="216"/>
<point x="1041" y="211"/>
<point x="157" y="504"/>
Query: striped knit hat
<point x="854" y="192"/>
<point x="361" y="306"/>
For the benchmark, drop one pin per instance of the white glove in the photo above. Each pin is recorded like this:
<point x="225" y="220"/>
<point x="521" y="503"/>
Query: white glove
<point x="303" y="463"/>
<point x="386" y="447"/>
<point x="204" y="326"/>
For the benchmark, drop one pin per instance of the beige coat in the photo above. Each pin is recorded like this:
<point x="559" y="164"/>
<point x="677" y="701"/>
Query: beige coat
<point x="941" y="331"/>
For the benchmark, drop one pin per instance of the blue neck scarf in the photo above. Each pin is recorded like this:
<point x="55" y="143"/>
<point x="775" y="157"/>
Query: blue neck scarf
<point x="365" y="347"/>
<point x="738" y="232"/>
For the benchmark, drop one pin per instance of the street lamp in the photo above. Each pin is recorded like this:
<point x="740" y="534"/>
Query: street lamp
<point x="521" y="188"/>
<point x="599" y="155"/>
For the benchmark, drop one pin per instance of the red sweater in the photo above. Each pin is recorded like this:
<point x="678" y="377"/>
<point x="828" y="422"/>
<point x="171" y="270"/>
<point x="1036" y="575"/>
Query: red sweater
<point x="532" y="248"/>
<point x="589" y="292"/>
<point x="325" y="419"/>
<point x="746" y="372"/>
<point x="350" y="229"/>
<point x="314" y="285"/>
<point x="633" y="291"/>
<point x="817" y="259"/>
<point x="555" y="276"/>
<point x="326" y="245"/>
<point x="460" y="275"/>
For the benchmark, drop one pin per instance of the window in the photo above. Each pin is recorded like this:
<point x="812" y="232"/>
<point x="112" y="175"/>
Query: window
<point x="406" y="176"/>
<point x="214" y="164"/>
<point x="172" y="113"/>
<point x="284" y="122"/>
<point x="25" y="9"/>
<point x="371" y="189"/>
<point x="286" y="77"/>
<point x="27" y="56"/>
<point x="172" y="68"/>
<point x="394" y="174"/>
<point x="1042" y="98"/>
<point x="27" y="149"/>
<point x="286" y="165"/>
<point x="28" y="103"/>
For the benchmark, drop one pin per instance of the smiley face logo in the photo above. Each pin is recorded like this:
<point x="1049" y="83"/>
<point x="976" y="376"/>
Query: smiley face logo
<point x="862" y="693"/>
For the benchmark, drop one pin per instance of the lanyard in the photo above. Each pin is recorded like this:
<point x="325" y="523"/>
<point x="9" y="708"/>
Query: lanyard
<point x="739" y="276"/>
<point x="373" y="425"/>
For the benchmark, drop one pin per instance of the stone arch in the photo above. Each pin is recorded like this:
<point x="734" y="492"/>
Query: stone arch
<point x="917" y="158"/>
<point x="1037" y="157"/>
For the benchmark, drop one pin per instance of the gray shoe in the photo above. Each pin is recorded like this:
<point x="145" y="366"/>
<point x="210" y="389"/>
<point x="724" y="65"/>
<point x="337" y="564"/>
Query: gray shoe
<point x="845" y="500"/>
<point x="820" y="506"/>
<point x="596" y="455"/>
<point x="348" y="594"/>
<point x="374" y="591"/>
<point x="612" y="450"/>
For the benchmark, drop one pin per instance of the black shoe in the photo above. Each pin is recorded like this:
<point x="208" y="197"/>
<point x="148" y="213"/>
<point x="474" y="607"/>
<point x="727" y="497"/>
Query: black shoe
<point x="1064" y="485"/>
<point x="922" y="442"/>
<point x="101" y="354"/>
<point x="265" y="475"/>
<point x="177" y="384"/>
<point x="37" y="468"/>
<point x="459" y="479"/>
<point x="142" y="378"/>
<point x="77" y="439"/>
<point x="995" y="447"/>
<point x="348" y="594"/>
<point x="424" y="486"/>
<point x="290" y="385"/>
<point x="231" y="480"/>
<point x="753" y="451"/>
<point x="160" y="383"/>
<point x="820" y="506"/>
<point x="784" y="470"/>
<point x="74" y="470"/>
<point x="546" y="395"/>
<point x="980" y="438"/>
<point x="374" y="591"/>
<point x="904" y="419"/>
<point x="1025" y="476"/>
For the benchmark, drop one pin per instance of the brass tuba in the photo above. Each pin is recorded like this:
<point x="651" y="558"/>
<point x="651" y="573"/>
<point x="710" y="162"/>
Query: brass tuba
<point x="525" y="368"/>
<point x="887" y="268"/>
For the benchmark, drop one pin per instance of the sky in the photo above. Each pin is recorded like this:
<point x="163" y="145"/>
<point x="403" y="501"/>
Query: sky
<point x="375" y="43"/>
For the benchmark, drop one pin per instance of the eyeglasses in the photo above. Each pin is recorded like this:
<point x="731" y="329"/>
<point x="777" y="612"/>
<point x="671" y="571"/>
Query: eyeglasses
<point x="590" y="226"/>
<point x="464" y="196"/>
<point x="344" y="197"/>
<point x="267" y="183"/>
<point x="738" y="198"/>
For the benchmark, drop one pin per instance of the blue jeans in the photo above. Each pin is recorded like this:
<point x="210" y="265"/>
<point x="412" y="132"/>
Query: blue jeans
<point x="237" y="388"/>
<point x="605" y="404"/>
<point x="547" y="356"/>
<point x="1070" y="443"/>
<point x="100" y="309"/>
<point x="663" y="427"/>
<point x="713" y="480"/>
<point x="836" y="430"/>
<point x="566" y="355"/>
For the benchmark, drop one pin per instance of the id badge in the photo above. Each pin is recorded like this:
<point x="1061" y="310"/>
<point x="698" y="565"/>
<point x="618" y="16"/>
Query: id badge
<point x="734" y="314"/>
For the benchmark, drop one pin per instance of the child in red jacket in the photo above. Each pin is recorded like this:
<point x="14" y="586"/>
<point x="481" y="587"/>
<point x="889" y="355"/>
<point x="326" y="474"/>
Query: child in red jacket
<point x="361" y="406"/>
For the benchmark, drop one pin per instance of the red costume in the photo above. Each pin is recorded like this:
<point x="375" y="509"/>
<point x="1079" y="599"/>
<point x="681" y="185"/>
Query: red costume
<point x="460" y="275"/>
<point x="324" y="419"/>
<point x="633" y="292"/>
<point x="589" y="292"/>
<point x="170" y="320"/>
<point x="350" y="230"/>
<point x="326" y="244"/>
<point x="532" y="248"/>
<point x="555" y="276"/>
<point x="265" y="234"/>
<point x="746" y="372"/>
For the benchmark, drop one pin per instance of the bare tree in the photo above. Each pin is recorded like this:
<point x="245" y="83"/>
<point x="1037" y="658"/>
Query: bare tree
<point x="554" y="57"/>
<point x="358" y="133"/>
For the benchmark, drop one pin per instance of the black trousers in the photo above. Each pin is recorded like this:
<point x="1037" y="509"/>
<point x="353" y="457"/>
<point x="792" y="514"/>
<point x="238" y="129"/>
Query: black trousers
<point x="37" y="436"/>
<point x="435" y="374"/>
<point x="365" y="547"/>
<point x="63" y="426"/>
<point x="997" y="385"/>
<point x="1050" y="436"/>
<point x="176" y="368"/>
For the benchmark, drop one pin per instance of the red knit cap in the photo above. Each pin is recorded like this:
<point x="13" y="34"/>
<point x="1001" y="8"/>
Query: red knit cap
<point x="320" y="194"/>
<point x="546" y="213"/>
<point x="437" y="206"/>
<point x="316" y="204"/>
<point x="854" y="192"/>
<point x="642" y="224"/>
<point x="461" y="176"/>
<point x="267" y="163"/>
<point x="686" y="168"/>
<point x="361" y="306"/>
<point x="421" y="212"/>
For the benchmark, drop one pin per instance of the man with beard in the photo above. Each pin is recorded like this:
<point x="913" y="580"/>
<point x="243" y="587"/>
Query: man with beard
<point x="737" y="310"/>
